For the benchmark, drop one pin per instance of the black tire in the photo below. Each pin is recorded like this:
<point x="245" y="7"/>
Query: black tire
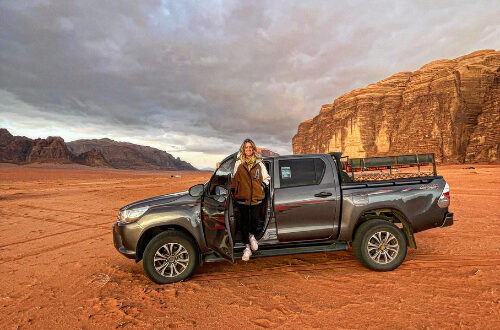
<point x="170" y="239"/>
<point x="368" y="234"/>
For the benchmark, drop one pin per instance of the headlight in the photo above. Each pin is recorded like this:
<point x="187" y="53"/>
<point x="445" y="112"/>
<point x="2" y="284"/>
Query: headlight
<point x="131" y="215"/>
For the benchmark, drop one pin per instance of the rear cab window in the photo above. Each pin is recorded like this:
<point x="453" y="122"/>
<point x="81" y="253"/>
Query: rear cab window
<point x="301" y="172"/>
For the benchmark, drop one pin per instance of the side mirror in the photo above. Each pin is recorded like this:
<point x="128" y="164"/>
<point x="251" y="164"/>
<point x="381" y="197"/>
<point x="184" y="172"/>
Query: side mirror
<point x="196" y="190"/>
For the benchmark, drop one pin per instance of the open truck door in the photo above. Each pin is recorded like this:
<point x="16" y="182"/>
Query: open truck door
<point x="217" y="210"/>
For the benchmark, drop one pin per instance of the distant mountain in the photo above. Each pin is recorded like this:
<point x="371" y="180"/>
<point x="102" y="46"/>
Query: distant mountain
<point x="126" y="155"/>
<point x="266" y="152"/>
<point x="97" y="153"/>
<point x="23" y="150"/>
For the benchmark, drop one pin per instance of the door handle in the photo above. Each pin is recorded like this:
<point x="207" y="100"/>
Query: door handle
<point x="323" y="194"/>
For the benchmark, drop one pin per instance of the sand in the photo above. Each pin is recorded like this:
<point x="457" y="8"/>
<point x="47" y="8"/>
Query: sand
<point x="59" y="268"/>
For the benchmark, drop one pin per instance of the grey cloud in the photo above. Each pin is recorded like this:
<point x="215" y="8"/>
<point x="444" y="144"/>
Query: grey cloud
<point x="220" y="70"/>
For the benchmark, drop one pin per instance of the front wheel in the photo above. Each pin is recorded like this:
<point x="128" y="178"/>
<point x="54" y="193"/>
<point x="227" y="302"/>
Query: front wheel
<point x="379" y="245"/>
<point x="170" y="257"/>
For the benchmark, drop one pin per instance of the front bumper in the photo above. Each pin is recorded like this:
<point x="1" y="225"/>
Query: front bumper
<point x="125" y="237"/>
<point x="448" y="219"/>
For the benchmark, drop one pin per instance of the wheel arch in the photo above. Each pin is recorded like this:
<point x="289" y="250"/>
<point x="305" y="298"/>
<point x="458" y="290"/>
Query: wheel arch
<point x="391" y="215"/>
<point x="151" y="232"/>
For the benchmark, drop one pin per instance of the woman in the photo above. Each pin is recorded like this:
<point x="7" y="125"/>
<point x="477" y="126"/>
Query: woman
<point x="250" y="178"/>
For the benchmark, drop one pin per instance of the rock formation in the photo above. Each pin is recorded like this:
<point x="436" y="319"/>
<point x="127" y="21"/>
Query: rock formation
<point x="14" y="149"/>
<point x="98" y="153"/>
<point x="93" y="158"/>
<point x="449" y="107"/>
<point x="49" y="150"/>
<point x="130" y="156"/>
<point x="22" y="150"/>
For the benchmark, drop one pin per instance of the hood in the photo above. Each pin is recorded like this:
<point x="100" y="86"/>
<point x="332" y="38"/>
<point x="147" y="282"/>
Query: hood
<point x="157" y="200"/>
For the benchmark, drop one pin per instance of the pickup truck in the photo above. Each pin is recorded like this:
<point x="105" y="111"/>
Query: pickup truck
<point x="311" y="205"/>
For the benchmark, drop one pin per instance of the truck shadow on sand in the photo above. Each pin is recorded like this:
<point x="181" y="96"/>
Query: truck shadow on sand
<point x="278" y="265"/>
<point x="271" y="266"/>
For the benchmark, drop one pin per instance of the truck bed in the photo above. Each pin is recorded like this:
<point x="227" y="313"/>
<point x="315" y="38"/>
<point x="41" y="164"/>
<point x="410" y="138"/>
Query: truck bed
<point x="383" y="176"/>
<point x="387" y="168"/>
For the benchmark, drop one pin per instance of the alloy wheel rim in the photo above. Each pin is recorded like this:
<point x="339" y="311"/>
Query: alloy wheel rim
<point x="171" y="259"/>
<point x="383" y="247"/>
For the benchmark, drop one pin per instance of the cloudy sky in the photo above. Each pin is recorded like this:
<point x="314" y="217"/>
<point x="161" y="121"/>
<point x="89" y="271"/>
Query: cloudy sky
<point x="194" y="78"/>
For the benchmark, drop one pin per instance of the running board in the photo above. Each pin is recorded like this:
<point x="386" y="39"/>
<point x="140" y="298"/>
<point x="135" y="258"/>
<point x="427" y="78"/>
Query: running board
<point x="340" y="246"/>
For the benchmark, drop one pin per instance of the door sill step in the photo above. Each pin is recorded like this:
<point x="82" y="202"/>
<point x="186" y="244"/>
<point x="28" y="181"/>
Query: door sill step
<point x="340" y="246"/>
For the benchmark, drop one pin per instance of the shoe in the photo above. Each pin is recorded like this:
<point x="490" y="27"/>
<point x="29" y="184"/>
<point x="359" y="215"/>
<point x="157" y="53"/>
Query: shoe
<point x="246" y="254"/>
<point x="253" y="243"/>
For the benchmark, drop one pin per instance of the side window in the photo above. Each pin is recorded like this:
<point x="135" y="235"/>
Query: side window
<point x="301" y="172"/>
<point x="221" y="178"/>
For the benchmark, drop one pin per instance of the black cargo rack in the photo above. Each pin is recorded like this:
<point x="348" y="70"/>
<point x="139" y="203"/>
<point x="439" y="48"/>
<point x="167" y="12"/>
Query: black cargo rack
<point x="357" y="165"/>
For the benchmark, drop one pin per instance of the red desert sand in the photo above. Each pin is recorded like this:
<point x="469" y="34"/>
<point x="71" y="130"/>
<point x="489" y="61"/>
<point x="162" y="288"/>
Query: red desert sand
<point x="60" y="270"/>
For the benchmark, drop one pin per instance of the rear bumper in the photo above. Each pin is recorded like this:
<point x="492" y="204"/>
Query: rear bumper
<point x="120" y="242"/>
<point x="448" y="219"/>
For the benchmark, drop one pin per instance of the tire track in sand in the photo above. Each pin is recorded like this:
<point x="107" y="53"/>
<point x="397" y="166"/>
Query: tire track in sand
<point x="47" y="236"/>
<point x="95" y="226"/>
<point x="53" y="248"/>
<point x="66" y="211"/>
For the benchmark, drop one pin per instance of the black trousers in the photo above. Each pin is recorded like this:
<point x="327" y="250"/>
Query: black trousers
<point x="249" y="220"/>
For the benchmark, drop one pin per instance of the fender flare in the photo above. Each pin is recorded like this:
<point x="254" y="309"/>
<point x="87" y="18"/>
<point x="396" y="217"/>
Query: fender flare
<point x="407" y="229"/>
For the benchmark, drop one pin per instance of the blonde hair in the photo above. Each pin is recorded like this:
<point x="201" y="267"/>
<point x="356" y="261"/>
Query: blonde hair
<point x="255" y="152"/>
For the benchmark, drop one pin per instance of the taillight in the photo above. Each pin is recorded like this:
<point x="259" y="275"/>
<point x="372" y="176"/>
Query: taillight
<point x="444" y="199"/>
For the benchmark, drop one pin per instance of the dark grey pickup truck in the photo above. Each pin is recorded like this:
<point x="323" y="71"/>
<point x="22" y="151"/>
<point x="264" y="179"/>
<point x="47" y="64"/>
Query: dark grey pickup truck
<point x="312" y="205"/>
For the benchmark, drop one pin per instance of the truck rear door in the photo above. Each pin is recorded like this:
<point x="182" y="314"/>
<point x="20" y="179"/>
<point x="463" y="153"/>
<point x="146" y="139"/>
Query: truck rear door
<point x="306" y="198"/>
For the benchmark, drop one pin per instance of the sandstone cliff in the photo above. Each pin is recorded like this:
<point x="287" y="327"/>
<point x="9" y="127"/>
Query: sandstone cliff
<point x="22" y="150"/>
<point x="449" y="107"/>
<point x="131" y="156"/>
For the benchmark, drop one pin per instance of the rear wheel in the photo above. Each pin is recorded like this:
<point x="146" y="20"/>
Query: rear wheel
<point x="170" y="257"/>
<point x="379" y="245"/>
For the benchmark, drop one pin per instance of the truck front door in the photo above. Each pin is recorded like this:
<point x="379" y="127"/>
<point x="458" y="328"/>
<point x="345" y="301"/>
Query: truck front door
<point x="305" y="199"/>
<point x="215" y="211"/>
